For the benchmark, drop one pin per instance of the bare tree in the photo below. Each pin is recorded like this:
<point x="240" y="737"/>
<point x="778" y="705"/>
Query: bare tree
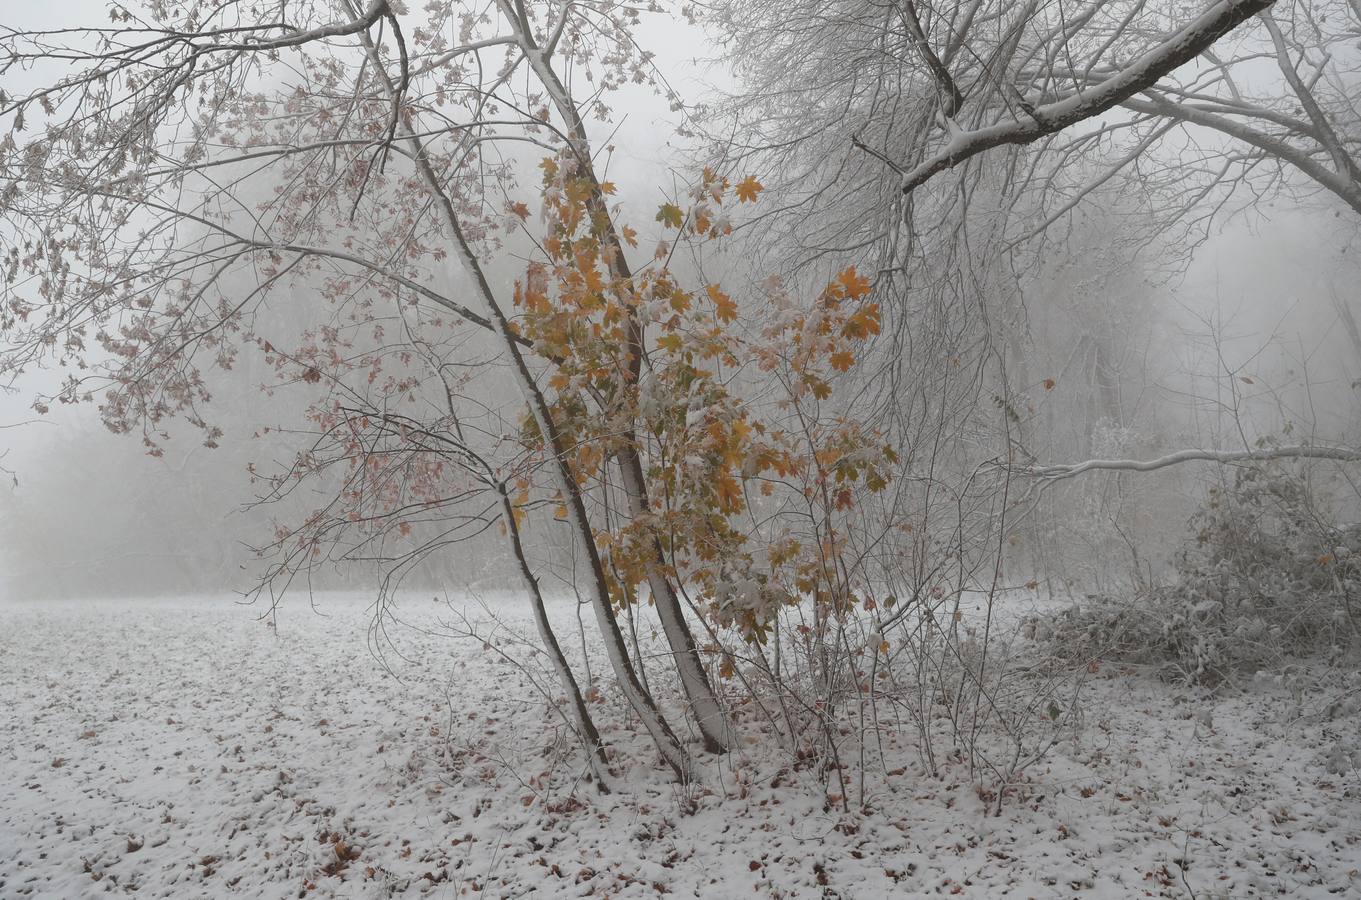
<point x="966" y="149"/>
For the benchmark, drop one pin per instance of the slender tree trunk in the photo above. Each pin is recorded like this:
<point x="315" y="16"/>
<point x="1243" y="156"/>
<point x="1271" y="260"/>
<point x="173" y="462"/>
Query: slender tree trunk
<point x="713" y="723"/>
<point x="709" y="715"/>
<point x="1344" y="310"/>
<point x="587" y="731"/>
<point x="1107" y="383"/>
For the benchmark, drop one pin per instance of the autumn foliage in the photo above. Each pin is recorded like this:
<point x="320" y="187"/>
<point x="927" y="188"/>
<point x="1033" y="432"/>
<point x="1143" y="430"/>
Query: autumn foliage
<point x="746" y="494"/>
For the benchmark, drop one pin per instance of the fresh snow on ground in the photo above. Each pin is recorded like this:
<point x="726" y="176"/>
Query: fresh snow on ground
<point x="187" y="749"/>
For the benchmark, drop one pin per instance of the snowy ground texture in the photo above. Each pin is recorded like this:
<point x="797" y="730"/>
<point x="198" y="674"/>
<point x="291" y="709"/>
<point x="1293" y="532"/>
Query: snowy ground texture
<point x="184" y="749"/>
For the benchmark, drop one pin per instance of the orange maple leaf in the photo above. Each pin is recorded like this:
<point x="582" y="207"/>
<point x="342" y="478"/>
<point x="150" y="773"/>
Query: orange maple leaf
<point x="724" y="306"/>
<point x="855" y="284"/>
<point x="729" y="493"/>
<point x="842" y="360"/>
<point x="748" y="189"/>
<point x="863" y="324"/>
<point x="670" y="343"/>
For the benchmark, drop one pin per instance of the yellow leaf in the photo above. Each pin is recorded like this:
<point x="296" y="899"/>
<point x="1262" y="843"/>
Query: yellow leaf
<point x="842" y="361"/>
<point x="748" y="189"/>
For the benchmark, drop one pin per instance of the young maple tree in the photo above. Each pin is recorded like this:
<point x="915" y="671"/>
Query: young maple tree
<point x="712" y="455"/>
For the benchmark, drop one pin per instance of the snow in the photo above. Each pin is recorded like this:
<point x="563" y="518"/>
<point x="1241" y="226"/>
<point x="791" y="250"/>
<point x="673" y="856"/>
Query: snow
<point x="184" y="748"/>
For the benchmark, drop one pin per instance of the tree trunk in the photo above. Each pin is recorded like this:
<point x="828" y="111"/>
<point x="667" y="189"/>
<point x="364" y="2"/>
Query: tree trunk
<point x="590" y="736"/>
<point x="713" y="724"/>
<point x="1344" y="310"/>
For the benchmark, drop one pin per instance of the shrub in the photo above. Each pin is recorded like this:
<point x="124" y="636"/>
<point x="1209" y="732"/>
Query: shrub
<point x="1267" y="576"/>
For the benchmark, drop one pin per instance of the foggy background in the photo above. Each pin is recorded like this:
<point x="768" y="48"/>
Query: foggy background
<point x="1245" y="342"/>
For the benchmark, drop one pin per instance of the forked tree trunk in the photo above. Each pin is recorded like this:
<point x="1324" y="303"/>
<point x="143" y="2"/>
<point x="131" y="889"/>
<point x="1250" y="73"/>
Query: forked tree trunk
<point x="566" y="483"/>
<point x="709" y="715"/>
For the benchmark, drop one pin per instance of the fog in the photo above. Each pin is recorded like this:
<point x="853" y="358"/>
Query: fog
<point x="777" y="448"/>
<point x="188" y="521"/>
<point x="1244" y="342"/>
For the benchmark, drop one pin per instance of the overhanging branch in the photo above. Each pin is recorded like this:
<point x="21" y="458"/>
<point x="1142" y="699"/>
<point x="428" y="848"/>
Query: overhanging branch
<point x="1143" y="73"/>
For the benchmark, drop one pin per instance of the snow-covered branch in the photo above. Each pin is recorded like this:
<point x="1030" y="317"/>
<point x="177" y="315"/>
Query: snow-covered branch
<point x="1305" y="451"/>
<point x="1143" y="73"/>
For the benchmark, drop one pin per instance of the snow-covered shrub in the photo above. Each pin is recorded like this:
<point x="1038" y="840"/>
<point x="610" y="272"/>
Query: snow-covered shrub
<point x="1267" y="575"/>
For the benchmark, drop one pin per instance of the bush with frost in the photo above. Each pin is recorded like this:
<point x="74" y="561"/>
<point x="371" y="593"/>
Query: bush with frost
<point x="1268" y="574"/>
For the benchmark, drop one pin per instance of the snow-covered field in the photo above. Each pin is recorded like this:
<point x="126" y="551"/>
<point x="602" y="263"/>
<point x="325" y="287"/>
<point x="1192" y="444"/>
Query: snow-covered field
<point x="185" y="749"/>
